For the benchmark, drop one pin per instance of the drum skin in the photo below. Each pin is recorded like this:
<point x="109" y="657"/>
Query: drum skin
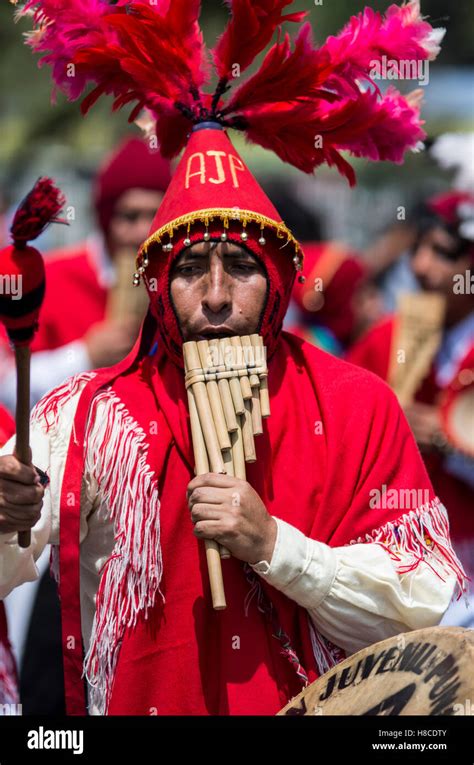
<point x="425" y="672"/>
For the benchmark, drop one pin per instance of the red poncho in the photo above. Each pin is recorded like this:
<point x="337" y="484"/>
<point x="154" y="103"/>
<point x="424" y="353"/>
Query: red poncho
<point x="335" y="434"/>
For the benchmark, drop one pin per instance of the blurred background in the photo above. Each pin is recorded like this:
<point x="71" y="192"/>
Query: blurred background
<point x="38" y="137"/>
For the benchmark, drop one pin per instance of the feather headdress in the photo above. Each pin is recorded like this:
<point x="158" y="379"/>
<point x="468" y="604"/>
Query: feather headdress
<point x="305" y="103"/>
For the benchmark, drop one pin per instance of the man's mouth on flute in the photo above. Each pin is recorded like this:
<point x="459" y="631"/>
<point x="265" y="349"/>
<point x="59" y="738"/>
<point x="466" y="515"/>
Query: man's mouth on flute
<point x="218" y="290"/>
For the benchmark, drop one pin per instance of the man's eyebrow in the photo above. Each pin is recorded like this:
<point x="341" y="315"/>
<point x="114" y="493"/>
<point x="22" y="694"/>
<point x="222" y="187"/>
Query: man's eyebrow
<point x="240" y="253"/>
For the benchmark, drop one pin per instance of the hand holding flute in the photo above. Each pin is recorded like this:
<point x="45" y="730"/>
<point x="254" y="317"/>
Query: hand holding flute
<point x="227" y="397"/>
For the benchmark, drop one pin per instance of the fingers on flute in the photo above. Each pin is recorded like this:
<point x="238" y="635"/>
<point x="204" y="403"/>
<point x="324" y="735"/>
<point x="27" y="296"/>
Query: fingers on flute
<point x="208" y="495"/>
<point x="219" y="480"/>
<point x="208" y="529"/>
<point x="203" y="512"/>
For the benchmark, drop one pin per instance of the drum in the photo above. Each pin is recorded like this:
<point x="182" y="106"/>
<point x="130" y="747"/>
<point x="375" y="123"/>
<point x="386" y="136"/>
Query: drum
<point x="457" y="408"/>
<point x="425" y="672"/>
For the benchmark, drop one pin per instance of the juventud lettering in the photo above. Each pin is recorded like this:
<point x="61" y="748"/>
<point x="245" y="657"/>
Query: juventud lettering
<point x="425" y="672"/>
<point x="415" y="657"/>
<point x="56" y="739"/>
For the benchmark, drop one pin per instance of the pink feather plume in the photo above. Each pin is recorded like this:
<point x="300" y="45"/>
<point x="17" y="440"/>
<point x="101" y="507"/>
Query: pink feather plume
<point x="307" y="104"/>
<point x="132" y="50"/>
<point x="248" y="32"/>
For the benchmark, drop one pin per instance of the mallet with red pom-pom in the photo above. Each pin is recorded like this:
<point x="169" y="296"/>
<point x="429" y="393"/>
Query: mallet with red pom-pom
<point x="20" y="316"/>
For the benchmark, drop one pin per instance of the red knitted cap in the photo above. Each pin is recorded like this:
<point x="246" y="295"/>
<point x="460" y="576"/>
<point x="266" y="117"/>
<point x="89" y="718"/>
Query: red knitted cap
<point x="133" y="165"/>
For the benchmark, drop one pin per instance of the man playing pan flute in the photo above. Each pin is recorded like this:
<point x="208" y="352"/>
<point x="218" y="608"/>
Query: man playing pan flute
<point x="123" y="510"/>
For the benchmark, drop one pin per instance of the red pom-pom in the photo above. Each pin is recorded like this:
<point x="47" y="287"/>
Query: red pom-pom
<point x="23" y="292"/>
<point x="37" y="210"/>
<point x="22" y="267"/>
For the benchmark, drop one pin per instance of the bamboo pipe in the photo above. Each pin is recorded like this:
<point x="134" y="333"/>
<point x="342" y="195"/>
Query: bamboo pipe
<point x="206" y="355"/>
<point x="260" y="360"/>
<point x="204" y="420"/>
<point x="254" y="379"/>
<point x="204" y="410"/>
<point x="229" y="467"/>
<point x="247" y="434"/>
<point x="234" y="382"/>
<point x="249" y="354"/>
<point x="199" y="449"/>
<point x="223" y="384"/>
<point x="257" y="426"/>
<point x="125" y="299"/>
<point x="238" y="453"/>
<point x="214" y="398"/>
<point x="241" y="367"/>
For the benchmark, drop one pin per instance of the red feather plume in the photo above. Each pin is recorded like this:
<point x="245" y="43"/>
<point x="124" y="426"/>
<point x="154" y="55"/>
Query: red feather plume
<point x="248" y="32"/>
<point x="307" y="104"/>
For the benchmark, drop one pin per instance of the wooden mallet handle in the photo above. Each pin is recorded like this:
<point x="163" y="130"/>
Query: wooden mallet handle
<point x="22" y="419"/>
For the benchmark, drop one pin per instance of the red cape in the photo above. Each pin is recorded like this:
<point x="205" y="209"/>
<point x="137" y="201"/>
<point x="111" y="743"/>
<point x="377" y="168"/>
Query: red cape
<point x="335" y="434"/>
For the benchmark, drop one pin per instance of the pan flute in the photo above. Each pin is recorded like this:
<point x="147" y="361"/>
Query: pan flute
<point x="126" y="299"/>
<point x="227" y="388"/>
<point x="417" y="337"/>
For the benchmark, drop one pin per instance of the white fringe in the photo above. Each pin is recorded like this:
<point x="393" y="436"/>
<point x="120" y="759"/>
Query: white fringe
<point x="48" y="409"/>
<point x="116" y="456"/>
<point x="421" y="535"/>
<point x="326" y="654"/>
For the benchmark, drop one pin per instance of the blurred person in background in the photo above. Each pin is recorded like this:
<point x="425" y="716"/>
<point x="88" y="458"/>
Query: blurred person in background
<point x="389" y="256"/>
<point x="322" y="309"/>
<point x="326" y="302"/>
<point x="388" y="260"/>
<point x="442" y="261"/>
<point x="76" y="331"/>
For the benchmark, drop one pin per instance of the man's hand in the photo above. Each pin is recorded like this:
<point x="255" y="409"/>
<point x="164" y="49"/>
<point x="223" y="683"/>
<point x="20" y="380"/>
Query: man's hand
<point x="229" y="511"/>
<point x="108" y="342"/>
<point x="425" y="422"/>
<point x="21" y="495"/>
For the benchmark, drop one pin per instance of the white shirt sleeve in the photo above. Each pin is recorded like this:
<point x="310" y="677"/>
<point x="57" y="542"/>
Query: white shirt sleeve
<point x="48" y="369"/>
<point x="353" y="594"/>
<point x="49" y="452"/>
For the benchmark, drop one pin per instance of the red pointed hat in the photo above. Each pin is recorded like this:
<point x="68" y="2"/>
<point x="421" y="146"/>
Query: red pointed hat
<point x="210" y="182"/>
<point x="307" y="104"/>
<point x="236" y="210"/>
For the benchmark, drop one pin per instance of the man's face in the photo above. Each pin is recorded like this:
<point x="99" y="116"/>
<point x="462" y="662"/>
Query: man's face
<point x="218" y="289"/>
<point x="435" y="262"/>
<point x="133" y="215"/>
